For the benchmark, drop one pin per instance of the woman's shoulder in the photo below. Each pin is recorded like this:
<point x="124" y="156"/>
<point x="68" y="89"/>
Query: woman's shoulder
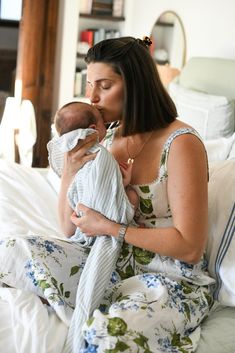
<point x="180" y="140"/>
<point x="180" y="129"/>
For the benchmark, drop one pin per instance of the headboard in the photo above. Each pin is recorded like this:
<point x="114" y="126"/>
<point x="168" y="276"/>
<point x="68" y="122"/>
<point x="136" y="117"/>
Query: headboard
<point x="204" y="94"/>
<point x="210" y="75"/>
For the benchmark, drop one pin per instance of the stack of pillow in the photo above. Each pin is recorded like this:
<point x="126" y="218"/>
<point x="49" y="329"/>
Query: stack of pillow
<point x="211" y="115"/>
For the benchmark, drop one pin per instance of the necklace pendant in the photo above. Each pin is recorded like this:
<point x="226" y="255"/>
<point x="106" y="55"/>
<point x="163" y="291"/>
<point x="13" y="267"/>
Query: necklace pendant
<point x="130" y="161"/>
<point x="141" y="147"/>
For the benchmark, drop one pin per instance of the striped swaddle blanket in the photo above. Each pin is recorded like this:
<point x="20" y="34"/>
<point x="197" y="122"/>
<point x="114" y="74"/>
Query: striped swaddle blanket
<point x="97" y="185"/>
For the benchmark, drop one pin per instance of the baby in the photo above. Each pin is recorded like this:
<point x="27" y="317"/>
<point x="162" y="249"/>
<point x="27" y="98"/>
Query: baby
<point x="79" y="115"/>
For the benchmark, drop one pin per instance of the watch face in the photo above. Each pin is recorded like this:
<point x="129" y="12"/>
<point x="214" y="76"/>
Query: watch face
<point x="122" y="232"/>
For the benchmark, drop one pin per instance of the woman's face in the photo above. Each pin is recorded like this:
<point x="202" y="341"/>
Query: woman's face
<point x="105" y="90"/>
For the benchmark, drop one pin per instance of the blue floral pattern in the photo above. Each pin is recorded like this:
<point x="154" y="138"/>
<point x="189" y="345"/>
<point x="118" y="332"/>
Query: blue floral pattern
<point x="154" y="303"/>
<point x="49" y="267"/>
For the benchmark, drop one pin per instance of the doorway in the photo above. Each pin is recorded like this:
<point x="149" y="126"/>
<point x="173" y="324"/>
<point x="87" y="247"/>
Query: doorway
<point x="10" y="15"/>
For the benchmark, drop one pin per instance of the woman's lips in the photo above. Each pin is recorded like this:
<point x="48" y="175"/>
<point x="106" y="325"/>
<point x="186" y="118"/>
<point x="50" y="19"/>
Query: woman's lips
<point x="100" y="110"/>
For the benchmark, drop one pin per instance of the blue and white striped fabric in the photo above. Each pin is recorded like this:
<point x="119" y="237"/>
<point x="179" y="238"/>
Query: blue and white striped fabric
<point x="221" y="240"/>
<point x="227" y="239"/>
<point x="97" y="185"/>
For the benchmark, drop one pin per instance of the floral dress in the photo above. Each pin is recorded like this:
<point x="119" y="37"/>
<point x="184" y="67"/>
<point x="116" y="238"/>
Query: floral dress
<point x="154" y="303"/>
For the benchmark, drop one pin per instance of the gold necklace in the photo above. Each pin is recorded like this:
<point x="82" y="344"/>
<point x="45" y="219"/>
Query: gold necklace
<point x="132" y="158"/>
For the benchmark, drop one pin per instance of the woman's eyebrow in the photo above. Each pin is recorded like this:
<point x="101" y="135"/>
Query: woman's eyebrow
<point x="101" y="79"/>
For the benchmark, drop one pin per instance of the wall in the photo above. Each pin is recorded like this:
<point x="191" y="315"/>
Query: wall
<point x="209" y="28"/>
<point x="66" y="49"/>
<point x="209" y="24"/>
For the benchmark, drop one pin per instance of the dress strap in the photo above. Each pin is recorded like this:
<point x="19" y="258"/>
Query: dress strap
<point x="108" y="139"/>
<point x="167" y="145"/>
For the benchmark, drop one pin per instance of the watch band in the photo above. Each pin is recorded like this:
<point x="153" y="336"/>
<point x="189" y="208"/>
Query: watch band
<point x="122" y="233"/>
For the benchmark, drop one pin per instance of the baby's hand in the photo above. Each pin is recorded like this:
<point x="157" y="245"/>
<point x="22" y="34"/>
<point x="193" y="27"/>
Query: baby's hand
<point x="126" y="170"/>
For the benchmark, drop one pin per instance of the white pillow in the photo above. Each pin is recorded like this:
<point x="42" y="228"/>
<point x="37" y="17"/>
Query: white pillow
<point x="221" y="242"/>
<point x="27" y="202"/>
<point x="219" y="149"/>
<point x="212" y="116"/>
<point x="54" y="180"/>
<point x="232" y="152"/>
<point x="30" y="259"/>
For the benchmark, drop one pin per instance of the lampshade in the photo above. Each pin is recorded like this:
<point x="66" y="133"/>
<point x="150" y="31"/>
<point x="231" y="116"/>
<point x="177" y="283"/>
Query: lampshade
<point x="18" y="117"/>
<point x="9" y="123"/>
<point x="27" y="132"/>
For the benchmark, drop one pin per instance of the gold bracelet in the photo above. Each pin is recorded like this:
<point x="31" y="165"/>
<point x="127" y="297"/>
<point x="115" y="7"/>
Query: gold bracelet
<point x="122" y="233"/>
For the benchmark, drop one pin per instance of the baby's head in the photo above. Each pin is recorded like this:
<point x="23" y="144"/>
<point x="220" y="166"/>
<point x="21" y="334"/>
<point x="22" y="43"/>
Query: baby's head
<point x="79" y="115"/>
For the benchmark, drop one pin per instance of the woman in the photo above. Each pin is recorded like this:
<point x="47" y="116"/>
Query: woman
<point x="160" y="290"/>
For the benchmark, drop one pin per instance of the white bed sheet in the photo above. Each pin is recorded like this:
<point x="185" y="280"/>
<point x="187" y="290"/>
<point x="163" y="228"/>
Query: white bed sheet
<point x="29" y="203"/>
<point x="27" y="326"/>
<point x="217" y="331"/>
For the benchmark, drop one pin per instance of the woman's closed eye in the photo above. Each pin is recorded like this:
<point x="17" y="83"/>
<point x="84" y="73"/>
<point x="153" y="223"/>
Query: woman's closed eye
<point x="105" y="85"/>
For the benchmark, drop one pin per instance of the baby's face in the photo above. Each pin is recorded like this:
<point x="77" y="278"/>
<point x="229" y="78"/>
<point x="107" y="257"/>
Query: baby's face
<point x="99" y="126"/>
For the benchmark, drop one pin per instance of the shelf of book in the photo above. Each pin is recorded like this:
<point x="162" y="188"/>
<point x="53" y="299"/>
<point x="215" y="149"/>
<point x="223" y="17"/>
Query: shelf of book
<point x="102" y="17"/>
<point x="98" y="20"/>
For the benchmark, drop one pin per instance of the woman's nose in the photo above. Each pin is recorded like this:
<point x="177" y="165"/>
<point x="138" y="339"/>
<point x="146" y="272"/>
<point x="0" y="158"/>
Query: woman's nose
<point x="92" y="94"/>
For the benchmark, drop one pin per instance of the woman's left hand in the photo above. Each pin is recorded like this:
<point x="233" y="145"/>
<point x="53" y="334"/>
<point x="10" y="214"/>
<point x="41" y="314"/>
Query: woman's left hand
<point x="90" y="222"/>
<point x="126" y="171"/>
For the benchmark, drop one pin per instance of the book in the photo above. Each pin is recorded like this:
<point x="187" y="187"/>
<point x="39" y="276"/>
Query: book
<point x="96" y="35"/>
<point x="87" y="36"/>
<point x="85" y="6"/>
<point x="107" y="2"/>
<point x="118" y="8"/>
<point x="101" y="34"/>
<point x="112" y="33"/>
<point x="83" y="82"/>
<point x="102" y="8"/>
<point x="78" y="84"/>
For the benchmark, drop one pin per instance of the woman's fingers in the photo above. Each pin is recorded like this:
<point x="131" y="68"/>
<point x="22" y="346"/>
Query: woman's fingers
<point x="84" y="145"/>
<point x="78" y="156"/>
<point x="126" y="170"/>
<point x="123" y="165"/>
<point x="82" y="208"/>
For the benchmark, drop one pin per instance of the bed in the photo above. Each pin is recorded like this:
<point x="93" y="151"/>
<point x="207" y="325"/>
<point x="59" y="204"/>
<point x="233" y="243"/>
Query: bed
<point x="28" y="206"/>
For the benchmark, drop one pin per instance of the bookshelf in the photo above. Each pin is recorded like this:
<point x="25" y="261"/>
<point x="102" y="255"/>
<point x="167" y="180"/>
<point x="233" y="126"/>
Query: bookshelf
<point x="98" y="20"/>
<point x="102" y="17"/>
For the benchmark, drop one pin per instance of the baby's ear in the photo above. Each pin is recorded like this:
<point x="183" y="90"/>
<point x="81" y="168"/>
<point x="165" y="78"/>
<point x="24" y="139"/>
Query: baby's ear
<point x="92" y="126"/>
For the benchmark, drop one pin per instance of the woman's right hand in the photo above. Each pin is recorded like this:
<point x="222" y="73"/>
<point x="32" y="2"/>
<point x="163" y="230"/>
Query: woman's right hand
<point x="77" y="157"/>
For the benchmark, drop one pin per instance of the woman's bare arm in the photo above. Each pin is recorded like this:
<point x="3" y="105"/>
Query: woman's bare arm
<point x="64" y="209"/>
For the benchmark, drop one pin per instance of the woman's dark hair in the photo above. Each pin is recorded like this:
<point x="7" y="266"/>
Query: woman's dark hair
<point x="147" y="104"/>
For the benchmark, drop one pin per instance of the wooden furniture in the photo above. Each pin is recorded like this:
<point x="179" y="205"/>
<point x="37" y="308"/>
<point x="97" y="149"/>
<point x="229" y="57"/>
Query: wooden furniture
<point x="35" y="66"/>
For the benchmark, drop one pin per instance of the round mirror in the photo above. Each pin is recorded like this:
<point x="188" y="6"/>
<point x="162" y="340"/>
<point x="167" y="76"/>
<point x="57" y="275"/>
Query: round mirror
<point x="169" y="44"/>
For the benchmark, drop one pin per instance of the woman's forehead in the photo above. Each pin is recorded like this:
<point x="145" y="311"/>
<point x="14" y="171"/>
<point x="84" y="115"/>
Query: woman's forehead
<point x="100" y="72"/>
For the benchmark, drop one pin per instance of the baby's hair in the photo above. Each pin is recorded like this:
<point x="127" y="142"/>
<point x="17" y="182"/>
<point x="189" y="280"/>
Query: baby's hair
<point x="66" y="120"/>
